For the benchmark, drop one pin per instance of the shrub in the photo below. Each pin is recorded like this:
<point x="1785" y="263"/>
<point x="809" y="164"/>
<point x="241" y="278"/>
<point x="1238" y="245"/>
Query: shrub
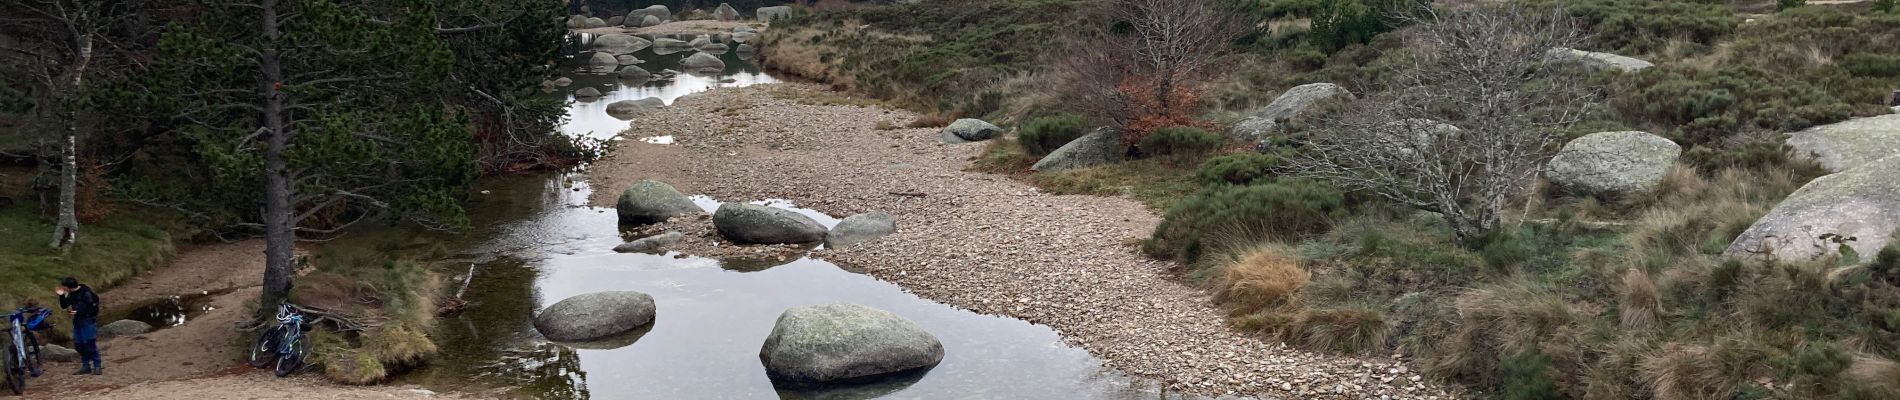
<point x="1350" y="330"/>
<point x="1043" y="135"/>
<point x="1244" y="215"/>
<point x="1787" y="4"/>
<point x="1260" y="278"/>
<point x="1526" y="376"/>
<point x="1181" y="141"/>
<point x="1347" y="22"/>
<point x="1645" y="26"/>
<point x="1706" y="107"/>
<point x="1238" y="169"/>
<point x="1871" y="65"/>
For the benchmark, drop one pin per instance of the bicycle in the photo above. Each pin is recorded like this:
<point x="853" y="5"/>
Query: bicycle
<point x="23" y="346"/>
<point x="285" y="344"/>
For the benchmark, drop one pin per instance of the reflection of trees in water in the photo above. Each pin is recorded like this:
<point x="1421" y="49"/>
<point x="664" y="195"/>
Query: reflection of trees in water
<point x="542" y="370"/>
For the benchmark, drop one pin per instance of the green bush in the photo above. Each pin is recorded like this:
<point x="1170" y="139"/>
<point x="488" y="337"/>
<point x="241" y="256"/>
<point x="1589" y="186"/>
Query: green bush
<point x="1885" y="6"/>
<point x="1043" y="135"/>
<point x="1180" y="141"/>
<point x="1787" y="4"/>
<point x="1871" y="65"/>
<point x="1708" y="106"/>
<point x="1238" y="169"/>
<point x="1526" y="376"/>
<point x="1646" y="26"/>
<point x="1244" y="215"/>
<point x="1347" y="22"/>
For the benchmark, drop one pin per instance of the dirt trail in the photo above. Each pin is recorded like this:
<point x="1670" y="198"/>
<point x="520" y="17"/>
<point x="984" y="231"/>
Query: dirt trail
<point x="202" y="359"/>
<point x="982" y="242"/>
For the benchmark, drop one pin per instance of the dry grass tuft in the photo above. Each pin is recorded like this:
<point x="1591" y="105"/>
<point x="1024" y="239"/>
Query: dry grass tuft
<point x="1501" y="320"/>
<point x="1640" y="303"/>
<point x="1351" y="330"/>
<point x="1265" y="277"/>
<point x="1694" y="372"/>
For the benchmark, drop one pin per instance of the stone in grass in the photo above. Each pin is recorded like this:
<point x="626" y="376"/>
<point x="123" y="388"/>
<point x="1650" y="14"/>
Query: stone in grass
<point x="1848" y="144"/>
<point x="969" y="130"/>
<point x="860" y="228"/>
<point x="833" y="343"/>
<point x="1098" y="148"/>
<point x="651" y="201"/>
<point x="1613" y="163"/>
<point x="595" y="316"/>
<point x="756" y="224"/>
<point x="1862" y="203"/>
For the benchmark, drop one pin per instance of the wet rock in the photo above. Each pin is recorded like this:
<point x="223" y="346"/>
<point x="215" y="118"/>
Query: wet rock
<point x="725" y="12"/>
<point x="577" y="21"/>
<point x="124" y="327"/>
<point x="1301" y="98"/>
<point x="563" y="81"/>
<point x="703" y="61"/>
<point x="652" y="244"/>
<point x="596" y="22"/>
<point x="745" y="49"/>
<point x="602" y="60"/>
<point x="634" y="73"/>
<point x="628" y="109"/>
<point x="714" y="48"/>
<point x="859" y="228"/>
<point x="756" y="224"/>
<point x="659" y="13"/>
<point x="650" y="201"/>
<point x="620" y="43"/>
<point x="969" y="130"/>
<point x="1862" y="203"/>
<point x="57" y="353"/>
<point x="616" y="20"/>
<point x="650" y="21"/>
<point x="669" y="43"/>
<point x="595" y="316"/>
<point x="775" y="12"/>
<point x="1100" y="147"/>
<point x="744" y="37"/>
<point x="699" y="41"/>
<point x="1598" y="60"/>
<point x="587" y="92"/>
<point x="845" y="342"/>
<point x="1849" y="144"/>
<point x="1613" y="163"/>
<point x="628" y="59"/>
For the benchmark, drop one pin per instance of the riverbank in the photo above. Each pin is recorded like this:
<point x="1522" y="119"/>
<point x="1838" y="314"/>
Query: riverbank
<point x="981" y="242"/>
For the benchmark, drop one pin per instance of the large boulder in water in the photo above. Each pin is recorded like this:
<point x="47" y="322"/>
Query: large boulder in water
<point x="627" y="59"/>
<point x="1862" y="203"/>
<point x="651" y="244"/>
<point x="703" y="61"/>
<point x="634" y="73"/>
<point x="774" y="12"/>
<point x="725" y="12"/>
<point x="1301" y="98"/>
<point x="651" y="201"/>
<point x="620" y="43"/>
<point x="595" y="316"/>
<point x="859" y="228"/>
<point x="602" y="62"/>
<point x="698" y="41"/>
<point x="1613" y="163"/>
<point x="1597" y="60"/>
<point x="628" y="109"/>
<point x="969" y="130"/>
<point x="1853" y="143"/>
<point x="124" y="327"/>
<point x="1100" y="147"/>
<point x="756" y="224"/>
<point x="587" y="93"/>
<point x="845" y="342"/>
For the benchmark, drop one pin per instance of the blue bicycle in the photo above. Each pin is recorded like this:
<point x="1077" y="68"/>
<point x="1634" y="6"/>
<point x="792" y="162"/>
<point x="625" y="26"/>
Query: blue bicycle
<point x="23" y="346"/>
<point x="284" y="344"/>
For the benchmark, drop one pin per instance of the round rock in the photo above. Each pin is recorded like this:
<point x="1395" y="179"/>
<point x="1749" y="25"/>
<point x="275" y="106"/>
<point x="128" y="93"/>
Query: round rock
<point x="595" y="316"/>
<point x="757" y="224"/>
<point x="703" y="61"/>
<point x="651" y="201"/>
<point x="970" y="130"/>
<point x="1613" y="163"/>
<point x="124" y="327"/>
<point x="859" y="228"/>
<point x="845" y="342"/>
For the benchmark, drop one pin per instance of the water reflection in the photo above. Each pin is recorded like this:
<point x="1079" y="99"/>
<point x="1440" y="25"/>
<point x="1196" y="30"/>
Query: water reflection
<point x="589" y="118"/>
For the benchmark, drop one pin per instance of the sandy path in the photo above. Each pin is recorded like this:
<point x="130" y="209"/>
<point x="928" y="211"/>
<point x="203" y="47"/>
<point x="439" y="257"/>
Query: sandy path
<point x="981" y="242"/>
<point x="202" y="359"/>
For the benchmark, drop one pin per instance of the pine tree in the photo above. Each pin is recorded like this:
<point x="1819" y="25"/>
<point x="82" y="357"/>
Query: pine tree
<point x="336" y="115"/>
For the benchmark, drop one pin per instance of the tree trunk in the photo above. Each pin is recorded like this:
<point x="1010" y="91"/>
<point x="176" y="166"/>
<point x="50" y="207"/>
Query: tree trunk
<point x="66" y="230"/>
<point x="280" y="235"/>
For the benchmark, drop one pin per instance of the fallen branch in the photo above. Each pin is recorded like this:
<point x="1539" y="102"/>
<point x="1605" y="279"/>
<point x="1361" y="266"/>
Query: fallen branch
<point x="908" y="194"/>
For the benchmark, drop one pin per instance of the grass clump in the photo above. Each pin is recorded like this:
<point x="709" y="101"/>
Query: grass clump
<point x="1230" y="216"/>
<point x="1043" y="135"/>
<point x="394" y="298"/>
<point x="1238" y="169"/>
<point x="1260" y="279"/>
<point x="1181" y="141"/>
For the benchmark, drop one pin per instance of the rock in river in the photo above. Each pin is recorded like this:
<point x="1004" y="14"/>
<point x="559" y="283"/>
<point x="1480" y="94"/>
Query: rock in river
<point x="859" y="228"/>
<point x="650" y="244"/>
<point x="845" y="342"/>
<point x="595" y="316"/>
<point x="1101" y="147"/>
<point x="1862" y="203"/>
<point x="703" y="61"/>
<point x="634" y="73"/>
<point x="1613" y="163"/>
<point x="587" y="92"/>
<point x="969" y="130"/>
<point x="651" y="201"/>
<point x="628" y="109"/>
<point x="669" y="43"/>
<point x="756" y="224"/>
<point x="1851" y="143"/>
<point x="124" y="327"/>
<point x="620" y="43"/>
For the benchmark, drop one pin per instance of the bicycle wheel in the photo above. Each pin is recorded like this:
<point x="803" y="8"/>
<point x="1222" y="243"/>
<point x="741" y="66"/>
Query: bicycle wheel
<point x="33" y="361"/>
<point x="16" y="374"/>
<point x="291" y="361"/>
<point x="265" y="350"/>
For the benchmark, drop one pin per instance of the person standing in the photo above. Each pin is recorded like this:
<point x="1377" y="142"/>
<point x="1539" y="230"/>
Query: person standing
<point x="84" y="306"/>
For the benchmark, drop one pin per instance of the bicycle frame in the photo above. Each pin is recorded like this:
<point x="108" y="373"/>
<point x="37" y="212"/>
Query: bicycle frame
<point x="293" y="328"/>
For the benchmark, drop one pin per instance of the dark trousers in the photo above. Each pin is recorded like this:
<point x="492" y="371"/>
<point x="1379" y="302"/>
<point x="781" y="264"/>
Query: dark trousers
<point x="86" y="341"/>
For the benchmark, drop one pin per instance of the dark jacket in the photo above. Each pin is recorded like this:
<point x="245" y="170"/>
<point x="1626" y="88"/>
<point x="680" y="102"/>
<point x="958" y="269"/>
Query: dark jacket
<point x="83" y="302"/>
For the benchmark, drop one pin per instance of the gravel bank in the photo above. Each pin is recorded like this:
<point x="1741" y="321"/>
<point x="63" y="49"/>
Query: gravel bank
<point x="981" y="242"/>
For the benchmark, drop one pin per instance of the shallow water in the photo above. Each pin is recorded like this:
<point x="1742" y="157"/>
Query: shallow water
<point x="589" y="118"/>
<point x="537" y="242"/>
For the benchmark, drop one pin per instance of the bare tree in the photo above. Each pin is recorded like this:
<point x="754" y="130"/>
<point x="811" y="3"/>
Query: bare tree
<point x="62" y="38"/>
<point x="1148" y="70"/>
<point x="1467" y="125"/>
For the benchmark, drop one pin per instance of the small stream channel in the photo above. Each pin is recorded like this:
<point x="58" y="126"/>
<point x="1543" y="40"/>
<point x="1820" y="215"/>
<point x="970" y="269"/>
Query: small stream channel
<point x="536" y="241"/>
